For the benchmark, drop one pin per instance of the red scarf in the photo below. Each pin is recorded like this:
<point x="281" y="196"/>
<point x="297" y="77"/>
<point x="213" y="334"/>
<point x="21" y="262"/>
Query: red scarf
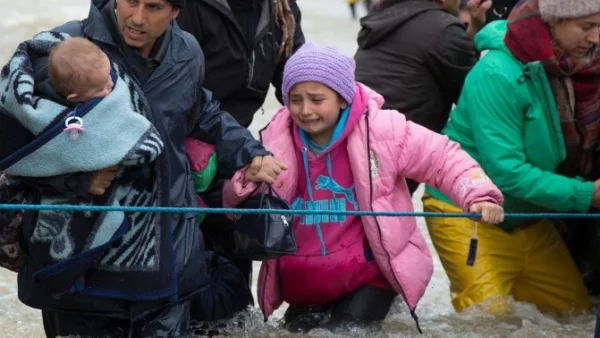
<point x="529" y="39"/>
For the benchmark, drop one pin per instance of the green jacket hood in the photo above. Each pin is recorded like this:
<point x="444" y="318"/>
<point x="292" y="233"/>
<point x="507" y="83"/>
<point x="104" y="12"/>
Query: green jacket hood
<point x="491" y="37"/>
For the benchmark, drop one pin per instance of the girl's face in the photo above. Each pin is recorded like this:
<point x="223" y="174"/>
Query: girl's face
<point x="578" y="37"/>
<point x="315" y="108"/>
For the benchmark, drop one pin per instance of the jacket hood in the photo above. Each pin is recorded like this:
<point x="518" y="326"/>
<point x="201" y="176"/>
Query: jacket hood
<point x="376" y="26"/>
<point x="100" y="3"/>
<point x="491" y="37"/>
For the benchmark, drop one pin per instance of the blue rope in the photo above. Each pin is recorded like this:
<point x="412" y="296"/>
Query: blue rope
<point x="195" y="210"/>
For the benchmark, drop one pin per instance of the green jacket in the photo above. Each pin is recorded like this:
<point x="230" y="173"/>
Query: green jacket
<point x="506" y="119"/>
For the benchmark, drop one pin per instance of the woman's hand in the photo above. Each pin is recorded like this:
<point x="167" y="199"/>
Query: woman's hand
<point x="490" y="212"/>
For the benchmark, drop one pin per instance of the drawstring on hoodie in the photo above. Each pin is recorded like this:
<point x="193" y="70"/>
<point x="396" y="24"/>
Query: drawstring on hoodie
<point x="337" y="132"/>
<point x="310" y="195"/>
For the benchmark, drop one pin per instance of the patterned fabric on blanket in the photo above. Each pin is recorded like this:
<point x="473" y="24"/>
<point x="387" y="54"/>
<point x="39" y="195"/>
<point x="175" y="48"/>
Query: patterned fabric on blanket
<point x="65" y="245"/>
<point x="12" y="256"/>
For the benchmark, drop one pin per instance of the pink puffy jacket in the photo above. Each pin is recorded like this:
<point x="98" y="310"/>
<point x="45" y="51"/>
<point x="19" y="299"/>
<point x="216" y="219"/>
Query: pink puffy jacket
<point x="384" y="148"/>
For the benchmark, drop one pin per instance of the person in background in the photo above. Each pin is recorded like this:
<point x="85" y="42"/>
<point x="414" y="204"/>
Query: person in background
<point x="352" y="5"/>
<point x="246" y="44"/>
<point x="529" y="113"/>
<point x="417" y="53"/>
<point x="352" y="267"/>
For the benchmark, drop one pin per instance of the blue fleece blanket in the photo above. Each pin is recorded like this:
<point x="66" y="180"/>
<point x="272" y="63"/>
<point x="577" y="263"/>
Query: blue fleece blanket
<point x="116" y="130"/>
<point x="82" y="251"/>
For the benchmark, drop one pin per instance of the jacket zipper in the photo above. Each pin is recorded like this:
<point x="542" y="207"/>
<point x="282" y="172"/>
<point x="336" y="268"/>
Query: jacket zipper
<point x="412" y="312"/>
<point x="262" y="48"/>
<point x="251" y="61"/>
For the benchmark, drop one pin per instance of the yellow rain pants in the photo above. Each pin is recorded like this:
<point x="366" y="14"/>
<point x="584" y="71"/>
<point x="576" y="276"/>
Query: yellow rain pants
<point x="530" y="263"/>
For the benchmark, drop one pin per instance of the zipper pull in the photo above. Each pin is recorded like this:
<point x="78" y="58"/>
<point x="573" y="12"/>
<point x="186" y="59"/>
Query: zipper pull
<point x="284" y="220"/>
<point x="473" y="247"/>
<point x="262" y="48"/>
<point x="416" y="319"/>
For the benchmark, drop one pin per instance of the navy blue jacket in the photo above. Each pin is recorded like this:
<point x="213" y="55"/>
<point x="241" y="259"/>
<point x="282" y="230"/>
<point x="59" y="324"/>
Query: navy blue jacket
<point x="179" y="109"/>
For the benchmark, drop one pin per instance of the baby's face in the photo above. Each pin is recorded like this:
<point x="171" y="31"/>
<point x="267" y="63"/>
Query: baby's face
<point x="99" y="84"/>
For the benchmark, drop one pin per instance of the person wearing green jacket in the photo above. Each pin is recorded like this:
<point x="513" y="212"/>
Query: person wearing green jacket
<point x="529" y="113"/>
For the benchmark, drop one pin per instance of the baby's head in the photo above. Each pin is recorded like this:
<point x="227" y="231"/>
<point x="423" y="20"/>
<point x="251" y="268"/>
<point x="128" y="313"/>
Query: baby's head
<point x="79" y="70"/>
<point x="318" y="83"/>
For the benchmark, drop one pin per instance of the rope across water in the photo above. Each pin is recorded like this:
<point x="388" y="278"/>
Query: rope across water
<point x="94" y="208"/>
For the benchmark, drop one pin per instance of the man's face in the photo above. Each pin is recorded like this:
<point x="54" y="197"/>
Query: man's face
<point x="141" y="22"/>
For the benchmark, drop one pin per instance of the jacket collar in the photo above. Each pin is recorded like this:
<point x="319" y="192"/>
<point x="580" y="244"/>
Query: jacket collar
<point x="97" y="28"/>
<point x="265" y="15"/>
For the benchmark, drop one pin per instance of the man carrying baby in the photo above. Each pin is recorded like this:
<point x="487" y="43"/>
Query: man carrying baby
<point x="162" y="68"/>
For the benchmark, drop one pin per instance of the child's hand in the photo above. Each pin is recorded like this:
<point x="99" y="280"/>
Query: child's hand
<point x="490" y="212"/>
<point x="264" y="169"/>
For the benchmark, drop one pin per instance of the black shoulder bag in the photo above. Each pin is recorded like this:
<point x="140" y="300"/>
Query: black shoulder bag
<point x="260" y="236"/>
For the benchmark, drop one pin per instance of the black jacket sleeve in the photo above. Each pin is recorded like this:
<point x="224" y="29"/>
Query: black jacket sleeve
<point x="452" y="59"/>
<point x="188" y="19"/>
<point x="235" y="145"/>
<point x="298" y="42"/>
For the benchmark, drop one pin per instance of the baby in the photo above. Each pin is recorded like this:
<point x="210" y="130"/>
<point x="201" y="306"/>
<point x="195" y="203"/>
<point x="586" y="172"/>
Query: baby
<point x="79" y="70"/>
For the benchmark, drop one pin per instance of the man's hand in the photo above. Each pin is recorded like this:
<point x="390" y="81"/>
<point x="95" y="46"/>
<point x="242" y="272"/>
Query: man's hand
<point x="264" y="169"/>
<point x="100" y="180"/>
<point x="477" y="10"/>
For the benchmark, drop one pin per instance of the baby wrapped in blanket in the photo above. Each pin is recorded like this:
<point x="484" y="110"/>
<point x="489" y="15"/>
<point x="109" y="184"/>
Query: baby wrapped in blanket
<point x="108" y="126"/>
<point x="80" y="71"/>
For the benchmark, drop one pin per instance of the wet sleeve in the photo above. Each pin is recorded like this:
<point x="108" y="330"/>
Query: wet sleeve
<point x="235" y="145"/>
<point x="496" y="115"/>
<point x="298" y="42"/>
<point x="426" y="156"/>
<point x="451" y="60"/>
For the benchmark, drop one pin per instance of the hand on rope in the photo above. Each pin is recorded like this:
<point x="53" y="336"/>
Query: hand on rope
<point x="490" y="212"/>
<point x="175" y="210"/>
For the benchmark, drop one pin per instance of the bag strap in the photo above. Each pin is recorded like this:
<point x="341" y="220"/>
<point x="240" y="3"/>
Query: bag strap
<point x="264" y="190"/>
